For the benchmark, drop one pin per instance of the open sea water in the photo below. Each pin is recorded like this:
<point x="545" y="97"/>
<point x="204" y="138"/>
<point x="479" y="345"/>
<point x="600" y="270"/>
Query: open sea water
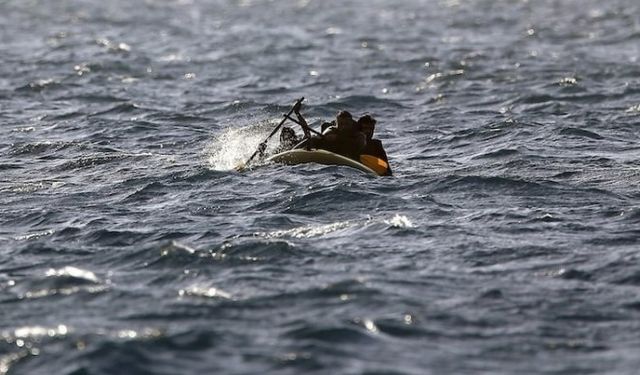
<point x="507" y="242"/>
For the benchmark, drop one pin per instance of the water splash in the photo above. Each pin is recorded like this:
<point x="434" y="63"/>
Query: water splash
<point x="235" y="145"/>
<point x="204" y="291"/>
<point x="308" y="231"/>
<point x="400" y="221"/>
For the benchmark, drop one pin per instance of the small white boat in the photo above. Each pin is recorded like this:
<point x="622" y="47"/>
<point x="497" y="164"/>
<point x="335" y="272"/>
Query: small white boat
<point x="302" y="156"/>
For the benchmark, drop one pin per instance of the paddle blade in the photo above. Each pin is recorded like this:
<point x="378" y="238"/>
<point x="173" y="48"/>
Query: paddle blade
<point x="378" y="165"/>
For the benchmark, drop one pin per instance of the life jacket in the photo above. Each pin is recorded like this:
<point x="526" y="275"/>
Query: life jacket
<point x="374" y="157"/>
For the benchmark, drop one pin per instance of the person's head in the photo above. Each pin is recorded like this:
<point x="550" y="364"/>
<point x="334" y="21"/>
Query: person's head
<point x="344" y="121"/>
<point x="287" y="135"/>
<point x="367" y="125"/>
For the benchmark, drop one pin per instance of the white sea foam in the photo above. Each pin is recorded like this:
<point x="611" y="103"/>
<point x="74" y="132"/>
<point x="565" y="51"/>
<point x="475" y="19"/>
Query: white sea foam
<point x="204" y="291"/>
<point x="63" y="281"/>
<point x="33" y="236"/>
<point x="318" y="230"/>
<point x="233" y="147"/>
<point x="400" y="221"/>
<point x="70" y="271"/>
<point x="308" y="231"/>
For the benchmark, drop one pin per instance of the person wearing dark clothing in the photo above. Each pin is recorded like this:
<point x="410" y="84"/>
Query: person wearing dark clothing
<point x="343" y="138"/>
<point x="288" y="140"/>
<point x="326" y="125"/>
<point x="373" y="146"/>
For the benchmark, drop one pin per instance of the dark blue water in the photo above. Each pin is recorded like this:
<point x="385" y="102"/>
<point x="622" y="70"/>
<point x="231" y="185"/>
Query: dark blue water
<point x="508" y="240"/>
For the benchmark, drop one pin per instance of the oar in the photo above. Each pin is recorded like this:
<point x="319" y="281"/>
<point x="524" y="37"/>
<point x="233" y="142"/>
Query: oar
<point x="299" y="123"/>
<point x="286" y="117"/>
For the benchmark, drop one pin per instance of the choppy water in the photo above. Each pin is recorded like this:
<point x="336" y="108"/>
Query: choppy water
<point x="507" y="242"/>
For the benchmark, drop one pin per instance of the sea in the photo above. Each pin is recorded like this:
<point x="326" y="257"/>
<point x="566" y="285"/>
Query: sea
<point x="506" y="242"/>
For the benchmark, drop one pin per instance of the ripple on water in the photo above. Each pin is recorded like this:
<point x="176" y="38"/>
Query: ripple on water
<point x="103" y="350"/>
<point x="475" y="183"/>
<point x="263" y="251"/>
<point x="308" y="231"/>
<point x="576" y="132"/>
<point x="58" y="282"/>
<point x="509" y="232"/>
<point x="40" y="85"/>
<point x="330" y="334"/>
<point x="37" y="148"/>
<point x="198" y="290"/>
<point x="88" y="162"/>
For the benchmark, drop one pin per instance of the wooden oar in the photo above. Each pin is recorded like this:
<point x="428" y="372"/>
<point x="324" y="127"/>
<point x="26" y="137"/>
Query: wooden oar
<point x="308" y="127"/>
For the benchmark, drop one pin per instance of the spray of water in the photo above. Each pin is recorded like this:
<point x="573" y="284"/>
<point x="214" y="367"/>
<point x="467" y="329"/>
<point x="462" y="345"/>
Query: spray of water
<point x="234" y="146"/>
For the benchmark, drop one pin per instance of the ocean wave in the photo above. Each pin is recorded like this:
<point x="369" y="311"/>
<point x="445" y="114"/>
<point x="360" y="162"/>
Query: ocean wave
<point x="263" y="251"/>
<point x="337" y="334"/>
<point x="53" y="347"/>
<point x="119" y="109"/>
<point x="114" y="237"/>
<point x="91" y="161"/>
<point x="40" y="85"/>
<point x="203" y="291"/>
<point x="476" y="183"/>
<point x="59" y="282"/>
<point x="509" y="230"/>
<point x="37" y="148"/>
<point x="581" y="133"/>
<point x="498" y="154"/>
<point x="308" y="231"/>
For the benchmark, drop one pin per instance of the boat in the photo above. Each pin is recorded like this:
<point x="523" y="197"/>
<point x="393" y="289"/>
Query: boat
<point x="302" y="156"/>
<point x="369" y="164"/>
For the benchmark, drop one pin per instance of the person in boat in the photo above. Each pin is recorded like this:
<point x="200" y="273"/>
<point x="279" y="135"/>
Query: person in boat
<point x="373" y="147"/>
<point x="288" y="137"/>
<point x="288" y="140"/>
<point x="342" y="136"/>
